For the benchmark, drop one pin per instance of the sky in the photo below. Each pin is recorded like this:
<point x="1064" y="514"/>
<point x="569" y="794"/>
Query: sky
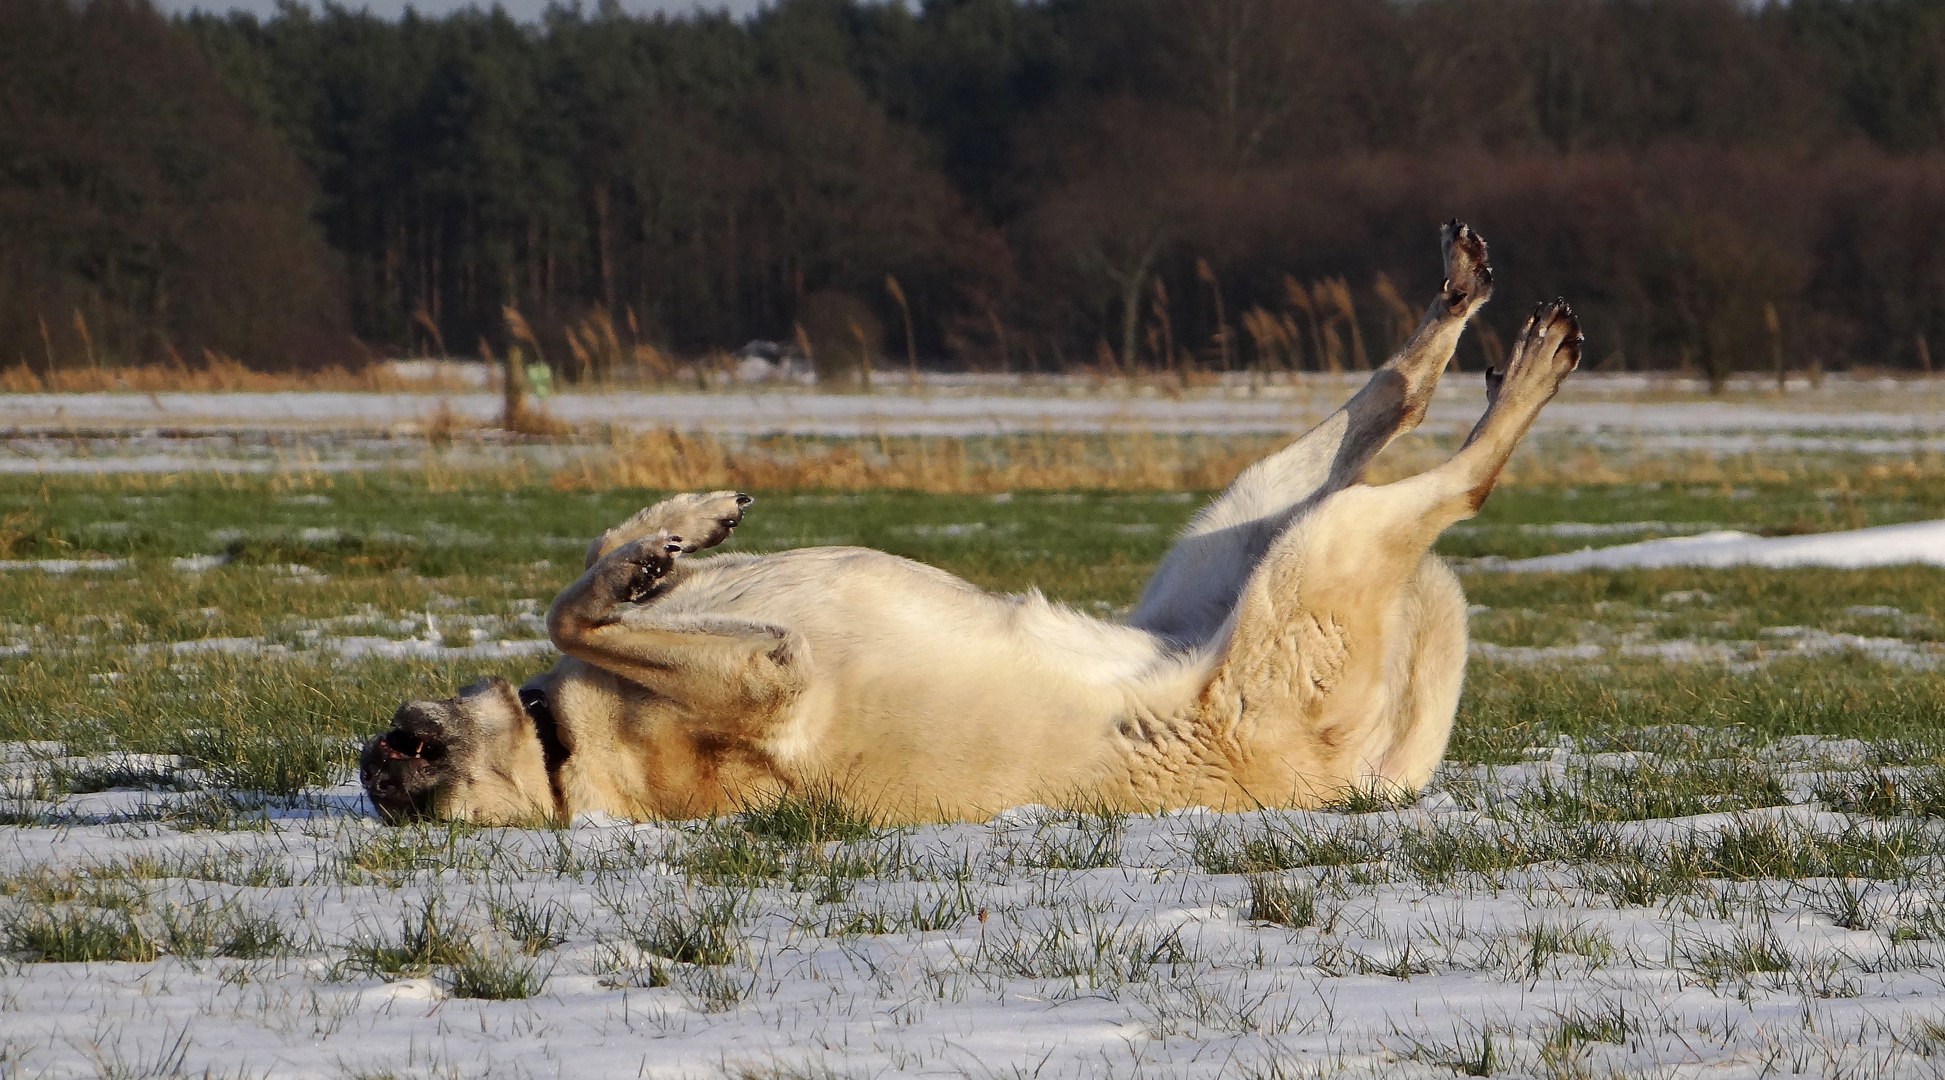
<point x="525" y="10"/>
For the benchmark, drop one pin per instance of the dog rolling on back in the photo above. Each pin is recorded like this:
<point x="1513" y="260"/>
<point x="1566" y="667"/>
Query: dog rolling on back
<point x="1298" y="642"/>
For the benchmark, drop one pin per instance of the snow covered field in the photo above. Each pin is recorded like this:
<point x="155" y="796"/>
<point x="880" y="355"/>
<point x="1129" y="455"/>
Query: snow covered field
<point x="1673" y="906"/>
<point x="1651" y="901"/>
<point x="254" y="432"/>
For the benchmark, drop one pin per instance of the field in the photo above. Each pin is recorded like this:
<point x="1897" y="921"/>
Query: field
<point x="1689" y="824"/>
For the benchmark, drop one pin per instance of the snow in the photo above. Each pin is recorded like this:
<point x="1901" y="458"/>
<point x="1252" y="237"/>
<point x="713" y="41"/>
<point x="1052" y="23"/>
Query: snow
<point x="62" y="566"/>
<point x="354" y="646"/>
<point x="1778" y="642"/>
<point x="724" y="413"/>
<point x="193" y="564"/>
<point x="1149" y="965"/>
<point x="1610" y="528"/>
<point x="1884" y="545"/>
<point x="469" y="373"/>
<point x="1843" y="415"/>
<point x="1624" y="417"/>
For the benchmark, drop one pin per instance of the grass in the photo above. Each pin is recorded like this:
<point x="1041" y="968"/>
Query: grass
<point x="1605" y="1022"/>
<point x="706" y="927"/>
<point x="81" y="779"/>
<point x="1656" y="788"/>
<point x="197" y="931"/>
<point x="1084" y="950"/>
<point x="944" y="911"/>
<point x="1277" y="843"/>
<point x="819" y="813"/>
<point x="426" y="942"/>
<point x="255" y="870"/>
<point x="248" y="761"/>
<point x="1074" y="840"/>
<point x="397" y="558"/>
<point x="76" y="936"/>
<point x="1470" y="1053"/>
<point x="1918" y="792"/>
<point x="1739" y="957"/>
<point x="493" y="978"/>
<point x="1277" y="900"/>
<point x="1546" y="941"/>
<point x="216" y="372"/>
<point x="395" y="856"/>
<point x="535" y="928"/>
<point x="1757" y="849"/>
<point x="813" y="839"/>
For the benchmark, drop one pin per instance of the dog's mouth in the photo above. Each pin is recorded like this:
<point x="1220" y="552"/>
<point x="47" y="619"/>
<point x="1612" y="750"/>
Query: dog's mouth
<point x="397" y="745"/>
<point x="400" y="769"/>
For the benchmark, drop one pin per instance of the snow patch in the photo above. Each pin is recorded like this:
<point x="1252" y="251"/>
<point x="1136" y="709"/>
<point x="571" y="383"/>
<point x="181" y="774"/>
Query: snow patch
<point x="62" y="566"/>
<point x="1884" y="545"/>
<point x="1151" y="964"/>
<point x="1612" y="528"/>
<point x="354" y="647"/>
<point x="1742" y="655"/>
<point x="191" y="564"/>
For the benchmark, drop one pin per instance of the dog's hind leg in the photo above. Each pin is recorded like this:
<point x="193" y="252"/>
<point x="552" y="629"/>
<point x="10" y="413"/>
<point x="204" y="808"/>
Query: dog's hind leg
<point x="1342" y="661"/>
<point x="1426" y="659"/>
<point x="1197" y="584"/>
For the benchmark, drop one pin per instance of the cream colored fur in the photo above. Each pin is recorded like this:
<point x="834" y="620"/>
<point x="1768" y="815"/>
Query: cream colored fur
<point x="1297" y="642"/>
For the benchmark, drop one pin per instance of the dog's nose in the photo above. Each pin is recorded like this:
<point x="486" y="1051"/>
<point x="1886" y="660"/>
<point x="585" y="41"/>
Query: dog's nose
<point x="399" y="771"/>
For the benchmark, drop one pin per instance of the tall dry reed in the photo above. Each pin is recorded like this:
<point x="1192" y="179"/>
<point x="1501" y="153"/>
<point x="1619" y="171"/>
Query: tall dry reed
<point x="668" y="459"/>
<point x="1136" y="461"/>
<point x="217" y="373"/>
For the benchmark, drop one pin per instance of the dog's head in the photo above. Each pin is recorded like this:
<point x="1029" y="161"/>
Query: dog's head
<point x="476" y="756"/>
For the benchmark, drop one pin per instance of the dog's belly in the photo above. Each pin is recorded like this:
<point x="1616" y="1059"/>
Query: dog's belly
<point x="931" y="697"/>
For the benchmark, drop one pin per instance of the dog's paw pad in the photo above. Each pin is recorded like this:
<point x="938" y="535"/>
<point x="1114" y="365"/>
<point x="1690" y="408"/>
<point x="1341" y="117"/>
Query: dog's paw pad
<point x="1468" y="274"/>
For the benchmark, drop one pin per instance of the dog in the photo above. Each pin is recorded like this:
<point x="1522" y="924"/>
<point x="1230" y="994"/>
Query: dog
<point x="1297" y="643"/>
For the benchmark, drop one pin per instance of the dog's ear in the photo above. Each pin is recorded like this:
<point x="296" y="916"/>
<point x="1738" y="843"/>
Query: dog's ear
<point x="499" y="771"/>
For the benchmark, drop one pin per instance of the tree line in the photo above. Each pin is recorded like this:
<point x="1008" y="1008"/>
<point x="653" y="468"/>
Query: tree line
<point x="988" y="184"/>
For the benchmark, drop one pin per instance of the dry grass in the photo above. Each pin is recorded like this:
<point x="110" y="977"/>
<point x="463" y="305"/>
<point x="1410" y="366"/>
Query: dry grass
<point x="1142" y="461"/>
<point x="667" y="459"/>
<point x="1563" y="460"/>
<point x="217" y="372"/>
<point x="534" y="420"/>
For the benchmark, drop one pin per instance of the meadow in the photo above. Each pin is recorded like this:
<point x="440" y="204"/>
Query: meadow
<point x="1688" y="823"/>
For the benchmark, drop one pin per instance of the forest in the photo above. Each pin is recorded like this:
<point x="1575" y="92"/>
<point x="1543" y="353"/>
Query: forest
<point x="1022" y="185"/>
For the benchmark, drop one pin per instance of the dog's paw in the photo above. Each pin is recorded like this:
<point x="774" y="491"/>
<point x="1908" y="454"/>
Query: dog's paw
<point x="632" y="570"/>
<point x="1548" y="350"/>
<point x="1468" y="275"/>
<point x="708" y="519"/>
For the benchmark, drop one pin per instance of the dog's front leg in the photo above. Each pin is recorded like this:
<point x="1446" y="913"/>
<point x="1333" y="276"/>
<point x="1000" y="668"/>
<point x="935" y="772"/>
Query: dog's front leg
<point x="723" y="671"/>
